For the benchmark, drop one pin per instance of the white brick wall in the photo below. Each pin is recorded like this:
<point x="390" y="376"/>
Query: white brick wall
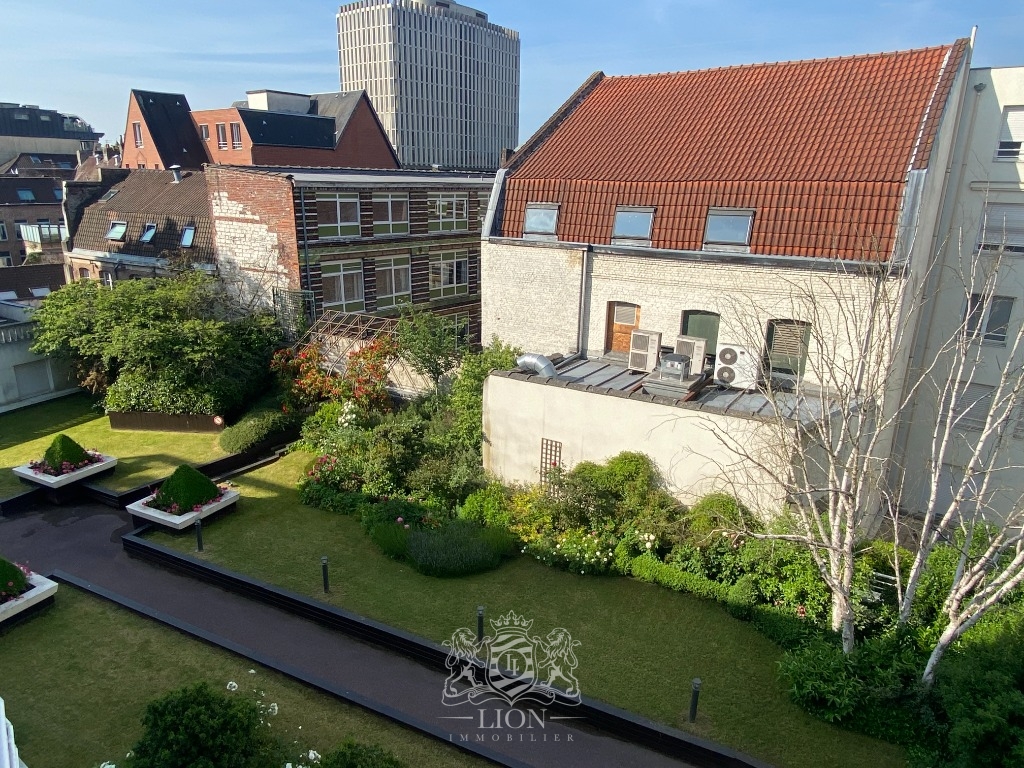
<point x="248" y="253"/>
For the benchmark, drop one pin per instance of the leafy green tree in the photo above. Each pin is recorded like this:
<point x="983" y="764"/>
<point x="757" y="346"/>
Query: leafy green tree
<point x="429" y="343"/>
<point x="467" y="394"/>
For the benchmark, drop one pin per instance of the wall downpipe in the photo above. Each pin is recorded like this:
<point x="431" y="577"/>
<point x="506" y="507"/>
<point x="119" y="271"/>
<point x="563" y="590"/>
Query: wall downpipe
<point x="583" y="292"/>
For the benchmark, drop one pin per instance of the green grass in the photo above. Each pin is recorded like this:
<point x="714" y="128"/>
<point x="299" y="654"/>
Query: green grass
<point x="641" y="645"/>
<point x="143" y="457"/>
<point x="76" y="680"/>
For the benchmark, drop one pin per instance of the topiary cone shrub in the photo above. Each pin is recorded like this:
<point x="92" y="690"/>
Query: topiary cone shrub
<point x="13" y="580"/>
<point x="63" y="456"/>
<point x="184" y="491"/>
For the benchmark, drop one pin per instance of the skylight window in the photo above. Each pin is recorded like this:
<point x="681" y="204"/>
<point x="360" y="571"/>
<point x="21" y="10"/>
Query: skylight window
<point x="26" y="196"/>
<point x="147" y="233"/>
<point x="117" y="230"/>
<point x="728" y="229"/>
<point x="632" y="225"/>
<point x="35" y="159"/>
<point x="187" y="236"/>
<point x="58" y="193"/>
<point x="540" y="222"/>
<point x="108" y="195"/>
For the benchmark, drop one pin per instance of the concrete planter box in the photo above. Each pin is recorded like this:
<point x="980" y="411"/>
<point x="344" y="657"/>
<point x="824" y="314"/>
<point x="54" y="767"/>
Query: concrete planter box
<point x="59" y="481"/>
<point x="41" y="589"/>
<point x="179" y="522"/>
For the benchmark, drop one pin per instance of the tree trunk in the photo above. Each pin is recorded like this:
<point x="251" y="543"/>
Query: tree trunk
<point x="842" y="620"/>
<point x="949" y="634"/>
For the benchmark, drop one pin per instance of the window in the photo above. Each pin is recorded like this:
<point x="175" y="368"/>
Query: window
<point x="83" y="273"/>
<point x="447" y="212"/>
<point x="1012" y="135"/>
<point x="393" y="281"/>
<point x="390" y="214"/>
<point x="34" y="159"/>
<point x="107" y="278"/>
<point x="1003" y="228"/>
<point x="987" y="319"/>
<point x="728" y="229"/>
<point x="703" y="325"/>
<point x="236" y="135"/>
<point x="44" y="118"/>
<point x="21" y="115"/>
<point x="786" y="347"/>
<point x="3" y="230"/>
<point x="449" y="274"/>
<point x="116" y="231"/>
<point x="974" y="401"/>
<point x="222" y="136"/>
<point x="141" y="165"/>
<point x="459" y="328"/>
<point x="632" y="226"/>
<point x="7" y="261"/>
<point x="58" y="193"/>
<point x="541" y="221"/>
<point x="188" y="234"/>
<point x="343" y="285"/>
<point x="26" y="196"/>
<point x="17" y="228"/>
<point x="108" y="195"/>
<point x="337" y="214"/>
<point x="39" y="292"/>
<point x="147" y="233"/>
<point x="64" y="165"/>
<point x="204" y="131"/>
<point x="137" y="131"/>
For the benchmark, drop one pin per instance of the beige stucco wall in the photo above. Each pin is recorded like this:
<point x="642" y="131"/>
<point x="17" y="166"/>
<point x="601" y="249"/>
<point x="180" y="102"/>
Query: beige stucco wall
<point x="595" y="426"/>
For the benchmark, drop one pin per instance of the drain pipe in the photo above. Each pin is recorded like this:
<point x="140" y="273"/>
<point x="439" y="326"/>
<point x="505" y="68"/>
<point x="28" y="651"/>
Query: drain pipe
<point x="583" y="289"/>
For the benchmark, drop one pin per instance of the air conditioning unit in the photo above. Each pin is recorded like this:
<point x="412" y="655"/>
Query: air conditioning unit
<point x="736" y="367"/>
<point x="694" y="347"/>
<point x="644" y="348"/>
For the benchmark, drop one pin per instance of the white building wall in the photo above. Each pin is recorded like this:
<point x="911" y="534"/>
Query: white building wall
<point x="444" y="81"/>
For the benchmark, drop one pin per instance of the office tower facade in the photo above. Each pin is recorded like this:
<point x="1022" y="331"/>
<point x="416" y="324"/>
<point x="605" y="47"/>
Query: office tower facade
<point x="444" y="80"/>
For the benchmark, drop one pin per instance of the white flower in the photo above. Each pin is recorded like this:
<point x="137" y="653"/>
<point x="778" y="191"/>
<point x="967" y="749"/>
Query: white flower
<point x="107" y="764"/>
<point x="232" y="686"/>
<point x="314" y="755"/>
<point x="272" y="709"/>
<point x="649" y="545"/>
<point x="252" y="671"/>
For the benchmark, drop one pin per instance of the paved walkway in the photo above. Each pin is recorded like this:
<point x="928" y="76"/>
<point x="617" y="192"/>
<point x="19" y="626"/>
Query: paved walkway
<point x="85" y="541"/>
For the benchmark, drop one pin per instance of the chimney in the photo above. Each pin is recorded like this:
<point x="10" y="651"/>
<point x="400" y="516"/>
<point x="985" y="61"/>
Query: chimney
<point x="105" y="150"/>
<point x="176" y="170"/>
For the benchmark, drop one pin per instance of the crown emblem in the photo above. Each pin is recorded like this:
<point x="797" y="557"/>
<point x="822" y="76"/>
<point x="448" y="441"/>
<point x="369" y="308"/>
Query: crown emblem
<point x="510" y="620"/>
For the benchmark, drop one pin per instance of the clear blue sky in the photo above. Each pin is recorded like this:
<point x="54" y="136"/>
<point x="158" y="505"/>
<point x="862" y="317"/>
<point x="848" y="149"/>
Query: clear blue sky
<point x="84" y="58"/>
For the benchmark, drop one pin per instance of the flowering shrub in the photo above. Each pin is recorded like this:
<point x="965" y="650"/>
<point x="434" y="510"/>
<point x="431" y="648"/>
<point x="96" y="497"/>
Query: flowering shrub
<point x="339" y="473"/>
<point x="13" y="580"/>
<point x="63" y="457"/>
<point x="576" y="550"/>
<point x="365" y="378"/>
<point x="303" y="378"/>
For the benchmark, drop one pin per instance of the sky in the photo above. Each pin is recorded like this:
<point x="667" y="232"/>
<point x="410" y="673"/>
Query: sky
<point x="83" y="59"/>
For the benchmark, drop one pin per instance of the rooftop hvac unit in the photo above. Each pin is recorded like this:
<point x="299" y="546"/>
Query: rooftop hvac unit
<point x="693" y="347"/>
<point x="644" y="348"/>
<point x="736" y="367"/>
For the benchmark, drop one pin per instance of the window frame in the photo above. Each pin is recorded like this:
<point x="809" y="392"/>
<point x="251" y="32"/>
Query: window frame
<point x="443" y="212"/>
<point x="390" y="226"/>
<point x="630" y="239"/>
<point x="148" y="232"/>
<point x="58" y="193"/>
<point x="107" y="278"/>
<point x="537" y="233"/>
<point x="236" y="135"/>
<point x="3" y="230"/>
<point x="444" y="274"/>
<point x="26" y="196"/>
<point x="204" y="131"/>
<point x="116" y="231"/>
<point x="977" y="319"/>
<point x="770" y="354"/>
<point x="733" y="244"/>
<point x="1006" y="236"/>
<point x="137" y="133"/>
<point x="711" y="345"/>
<point x="342" y="229"/>
<point x="222" y="135"/>
<point x="387" y="267"/>
<point x="1011" y="134"/>
<point x="337" y="270"/>
<point x="187" y="233"/>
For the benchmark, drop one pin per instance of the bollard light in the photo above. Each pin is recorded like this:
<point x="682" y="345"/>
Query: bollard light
<point x="323" y="568"/>
<point x="479" y="623"/>
<point x="199" y="534"/>
<point x="694" y="695"/>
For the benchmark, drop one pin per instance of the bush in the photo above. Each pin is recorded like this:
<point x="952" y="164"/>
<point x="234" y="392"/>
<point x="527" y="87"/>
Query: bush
<point x="389" y="511"/>
<point x="316" y="494"/>
<point x="65" y="450"/>
<point x="650" y="569"/>
<point x="576" y="550"/>
<point x="531" y="512"/>
<point x="186" y="489"/>
<point x="353" y="755"/>
<point x="822" y="680"/>
<point x="195" y="726"/>
<point x="13" y="580"/>
<point x="321" y="429"/>
<point x="392" y="539"/>
<point x="166" y="392"/>
<point x="742" y="597"/>
<point x="257" y="426"/>
<point x="458" y="548"/>
<point x="449" y="477"/>
<point x="783" y="627"/>
<point x="713" y="513"/>
<point x="488" y="506"/>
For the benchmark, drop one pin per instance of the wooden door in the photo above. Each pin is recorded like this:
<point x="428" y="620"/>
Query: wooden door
<point x="623" y="319"/>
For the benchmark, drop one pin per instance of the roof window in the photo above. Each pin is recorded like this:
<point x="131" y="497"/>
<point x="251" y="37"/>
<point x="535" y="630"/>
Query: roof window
<point x="147" y="233"/>
<point x="728" y="229"/>
<point x="58" y="194"/>
<point x="541" y="221"/>
<point x="109" y="194"/>
<point x="26" y="196"/>
<point x="117" y="230"/>
<point x="188" y="234"/>
<point x="632" y="225"/>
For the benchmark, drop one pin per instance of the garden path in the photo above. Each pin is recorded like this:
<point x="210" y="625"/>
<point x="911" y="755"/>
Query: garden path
<point x="85" y="541"/>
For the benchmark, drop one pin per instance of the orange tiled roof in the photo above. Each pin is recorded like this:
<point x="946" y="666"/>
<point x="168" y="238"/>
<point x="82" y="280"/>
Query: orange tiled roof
<point x="819" y="148"/>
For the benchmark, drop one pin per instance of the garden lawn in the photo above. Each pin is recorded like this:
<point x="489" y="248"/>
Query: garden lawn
<point x="143" y="457"/>
<point x="641" y="645"/>
<point x="76" y="680"/>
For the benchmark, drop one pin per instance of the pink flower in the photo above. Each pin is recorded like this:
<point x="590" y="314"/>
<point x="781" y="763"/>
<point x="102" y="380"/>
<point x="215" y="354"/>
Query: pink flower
<point x="399" y="520"/>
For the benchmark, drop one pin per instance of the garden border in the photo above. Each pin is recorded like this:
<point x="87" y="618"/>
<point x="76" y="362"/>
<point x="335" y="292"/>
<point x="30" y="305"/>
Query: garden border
<point x="285" y="669"/>
<point x="612" y="720"/>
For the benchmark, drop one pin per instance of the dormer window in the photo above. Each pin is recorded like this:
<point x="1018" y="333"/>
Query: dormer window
<point x="188" y="234"/>
<point x="117" y="230"/>
<point x="541" y="221"/>
<point x="632" y="225"/>
<point x="728" y="229"/>
<point x="1012" y="135"/>
<point x="147" y="233"/>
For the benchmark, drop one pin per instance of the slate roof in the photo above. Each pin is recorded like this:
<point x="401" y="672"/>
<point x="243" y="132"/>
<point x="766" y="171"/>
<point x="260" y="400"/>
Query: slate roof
<point x="42" y="189"/>
<point x="820" y="149"/>
<point x="288" y="129"/>
<point x="43" y="165"/>
<point x="169" y="121"/>
<point x="23" y="279"/>
<point x="44" y="123"/>
<point x="148" y="196"/>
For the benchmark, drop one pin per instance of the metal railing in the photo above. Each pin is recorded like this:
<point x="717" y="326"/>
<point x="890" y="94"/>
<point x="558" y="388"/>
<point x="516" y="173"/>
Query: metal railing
<point x="10" y="334"/>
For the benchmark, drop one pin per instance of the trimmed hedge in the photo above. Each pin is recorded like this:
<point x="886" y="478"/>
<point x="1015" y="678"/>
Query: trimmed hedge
<point x="187" y="488"/>
<point x="323" y="496"/>
<point x="353" y="755"/>
<point x="13" y="581"/>
<point x="64" y="449"/>
<point x="648" y="568"/>
<point x="257" y="426"/>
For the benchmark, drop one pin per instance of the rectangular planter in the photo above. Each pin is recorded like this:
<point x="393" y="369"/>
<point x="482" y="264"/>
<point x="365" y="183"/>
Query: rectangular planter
<point x="42" y="590"/>
<point x="179" y="522"/>
<point x="165" y="422"/>
<point x="52" y="482"/>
